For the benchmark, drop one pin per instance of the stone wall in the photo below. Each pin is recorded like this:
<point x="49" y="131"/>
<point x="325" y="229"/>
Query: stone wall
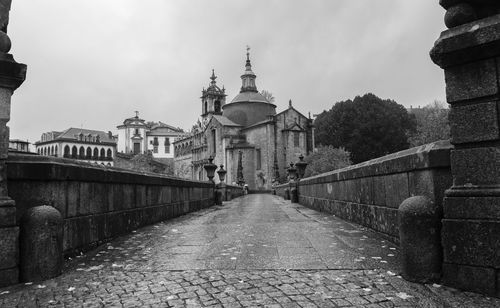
<point x="469" y="54"/>
<point x="98" y="203"/>
<point x="370" y="193"/>
<point x="233" y="191"/>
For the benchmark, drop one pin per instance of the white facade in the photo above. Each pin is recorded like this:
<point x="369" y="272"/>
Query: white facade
<point x="135" y="136"/>
<point x="84" y="145"/>
<point x="161" y="146"/>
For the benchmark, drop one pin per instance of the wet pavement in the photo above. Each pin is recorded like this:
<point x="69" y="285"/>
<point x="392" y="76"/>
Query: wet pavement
<point x="254" y="251"/>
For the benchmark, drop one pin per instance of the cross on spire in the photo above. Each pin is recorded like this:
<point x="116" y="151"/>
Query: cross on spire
<point x="136" y="114"/>
<point x="248" y="52"/>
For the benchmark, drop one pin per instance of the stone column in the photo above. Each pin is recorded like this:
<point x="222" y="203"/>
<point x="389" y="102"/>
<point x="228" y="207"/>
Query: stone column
<point x="469" y="53"/>
<point x="12" y="75"/>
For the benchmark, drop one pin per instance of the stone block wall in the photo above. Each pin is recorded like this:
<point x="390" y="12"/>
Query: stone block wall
<point x="98" y="203"/>
<point x="233" y="191"/>
<point x="469" y="54"/>
<point x="370" y="193"/>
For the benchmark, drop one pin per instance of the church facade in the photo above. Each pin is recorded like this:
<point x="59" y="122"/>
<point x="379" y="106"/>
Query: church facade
<point x="246" y="131"/>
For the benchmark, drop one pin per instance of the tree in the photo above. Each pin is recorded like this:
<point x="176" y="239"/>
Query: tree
<point x="326" y="158"/>
<point x="367" y="127"/>
<point x="268" y="96"/>
<point x="432" y="124"/>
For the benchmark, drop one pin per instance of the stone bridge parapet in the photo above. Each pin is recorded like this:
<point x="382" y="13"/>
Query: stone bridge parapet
<point x="370" y="193"/>
<point x="97" y="203"/>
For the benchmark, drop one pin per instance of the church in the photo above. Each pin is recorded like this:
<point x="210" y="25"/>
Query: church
<point x="245" y="131"/>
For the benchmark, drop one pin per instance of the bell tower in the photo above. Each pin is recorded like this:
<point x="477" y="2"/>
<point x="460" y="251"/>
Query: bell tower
<point x="212" y="99"/>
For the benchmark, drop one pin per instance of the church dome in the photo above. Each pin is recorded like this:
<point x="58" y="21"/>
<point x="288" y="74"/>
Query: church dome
<point x="249" y="106"/>
<point x="249" y="97"/>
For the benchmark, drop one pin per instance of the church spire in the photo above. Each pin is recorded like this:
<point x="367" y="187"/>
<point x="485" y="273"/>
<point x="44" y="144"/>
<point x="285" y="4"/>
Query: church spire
<point x="248" y="77"/>
<point x="213" y="77"/>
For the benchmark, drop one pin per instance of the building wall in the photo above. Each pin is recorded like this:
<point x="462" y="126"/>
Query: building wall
<point x="285" y="149"/>
<point x="56" y="149"/>
<point x="262" y="137"/>
<point x="161" y="153"/>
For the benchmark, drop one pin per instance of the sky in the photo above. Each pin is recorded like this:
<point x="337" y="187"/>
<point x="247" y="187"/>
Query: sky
<point x="92" y="63"/>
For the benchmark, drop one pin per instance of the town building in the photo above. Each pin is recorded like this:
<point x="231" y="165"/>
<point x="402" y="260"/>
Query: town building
<point x="92" y="146"/>
<point x="246" y="131"/>
<point x="17" y="145"/>
<point x="136" y="136"/>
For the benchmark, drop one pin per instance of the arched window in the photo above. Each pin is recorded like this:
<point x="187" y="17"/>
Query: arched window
<point x="45" y="151"/>
<point x="66" y="151"/>
<point x="217" y="106"/>
<point x="55" y="151"/>
<point x="74" y="152"/>
<point x="97" y="139"/>
<point x="82" y="153"/>
<point x="38" y="151"/>
<point x="89" y="153"/>
<point x="96" y="153"/>
<point x="103" y="154"/>
<point x="110" y="154"/>
<point x="206" y="107"/>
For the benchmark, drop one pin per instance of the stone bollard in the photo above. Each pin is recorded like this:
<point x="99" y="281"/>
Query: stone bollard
<point x="41" y="244"/>
<point x="287" y="194"/>
<point x="419" y="238"/>
<point x="294" y="195"/>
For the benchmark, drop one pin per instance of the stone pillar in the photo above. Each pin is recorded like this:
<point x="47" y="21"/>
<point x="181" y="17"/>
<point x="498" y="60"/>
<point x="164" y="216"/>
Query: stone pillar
<point x="12" y="75"/>
<point x="469" y="53"/>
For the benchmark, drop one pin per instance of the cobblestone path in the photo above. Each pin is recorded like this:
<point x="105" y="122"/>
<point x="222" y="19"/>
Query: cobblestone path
<point x="255" y="251"/>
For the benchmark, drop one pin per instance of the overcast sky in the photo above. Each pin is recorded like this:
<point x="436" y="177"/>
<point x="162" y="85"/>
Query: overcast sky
<point x="92" y="63"/>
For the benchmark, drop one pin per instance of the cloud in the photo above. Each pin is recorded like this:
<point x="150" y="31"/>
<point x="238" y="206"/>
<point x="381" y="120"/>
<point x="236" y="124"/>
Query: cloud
<point x="93" y="63"/>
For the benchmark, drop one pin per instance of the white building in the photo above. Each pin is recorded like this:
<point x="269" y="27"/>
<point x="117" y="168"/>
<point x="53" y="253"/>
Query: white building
<point x="19" y="145"/>
<point x="136" y="136"/>
<point x="82" y="144"/>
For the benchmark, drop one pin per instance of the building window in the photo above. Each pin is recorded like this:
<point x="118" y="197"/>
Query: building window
<point x="167" y="145"/>
<point x="214" y="142"/>
<point x="217" y="106"/>
<point x="136" y="132"/>
<point x="155" y="149"/>
<point x="258" y="159"/>
<point x="155" y="141"/>
<point x="296" y="139"/>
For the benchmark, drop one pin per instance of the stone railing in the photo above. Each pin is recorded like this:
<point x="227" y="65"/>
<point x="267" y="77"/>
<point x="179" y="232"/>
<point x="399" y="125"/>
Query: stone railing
<point x="232" y="191"/>
<point x="370" y="193"/>
<point x="96" y="203"/>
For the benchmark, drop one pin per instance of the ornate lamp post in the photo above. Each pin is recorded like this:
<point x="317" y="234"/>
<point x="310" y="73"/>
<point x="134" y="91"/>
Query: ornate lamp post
<point x="222" y="173"/>
<point x="210" y="169"/>
<point x="291" y="176"/>
<point x="301" y="166"/>
<point x="220" y="193"/>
